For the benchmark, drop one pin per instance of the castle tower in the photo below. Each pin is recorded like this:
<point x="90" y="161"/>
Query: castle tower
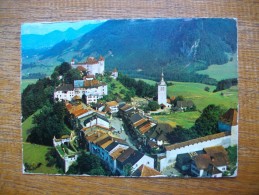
<point x="161" y="91"/>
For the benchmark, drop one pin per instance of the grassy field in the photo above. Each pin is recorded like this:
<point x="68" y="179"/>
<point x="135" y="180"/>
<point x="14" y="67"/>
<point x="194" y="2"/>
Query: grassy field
<point x="117" y="89"/>
<point x="184" y="119"/>
<point x="220" y="72"/>
<point x="34" y="154"/>
<point x="200" y="97"/>
<point x="26" y="82"/>
<point x="26" y="125"/>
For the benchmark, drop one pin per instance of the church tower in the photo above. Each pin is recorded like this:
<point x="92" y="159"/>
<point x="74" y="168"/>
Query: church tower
<point x="161" y="91"/>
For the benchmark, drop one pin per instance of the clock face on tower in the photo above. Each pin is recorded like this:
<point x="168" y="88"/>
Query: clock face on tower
<point x="162" y="88"/>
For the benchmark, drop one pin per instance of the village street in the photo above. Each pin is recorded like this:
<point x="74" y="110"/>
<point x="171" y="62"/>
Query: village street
<point x="120" y="131"/>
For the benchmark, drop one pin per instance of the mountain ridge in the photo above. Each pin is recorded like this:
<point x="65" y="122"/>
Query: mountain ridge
<point x="143" y="47"/>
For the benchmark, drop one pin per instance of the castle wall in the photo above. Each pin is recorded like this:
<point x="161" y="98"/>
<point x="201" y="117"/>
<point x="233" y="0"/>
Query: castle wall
<point x="172" y="154"/>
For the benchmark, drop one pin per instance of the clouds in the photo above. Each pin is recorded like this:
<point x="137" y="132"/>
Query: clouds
<point x="46" y="27"/>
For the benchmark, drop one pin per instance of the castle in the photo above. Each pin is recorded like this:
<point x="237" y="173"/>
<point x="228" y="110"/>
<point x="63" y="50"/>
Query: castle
<point x="92" y="65"/>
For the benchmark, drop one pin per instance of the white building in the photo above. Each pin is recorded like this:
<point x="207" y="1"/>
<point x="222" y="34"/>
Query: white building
<point x="92" y="65"/>
<point x="94" y="119"/>
<point x="115" y="74"/>
<point x="161" y="91"/>
<point x="92" y="89"/>
<point x="64" y="92"/>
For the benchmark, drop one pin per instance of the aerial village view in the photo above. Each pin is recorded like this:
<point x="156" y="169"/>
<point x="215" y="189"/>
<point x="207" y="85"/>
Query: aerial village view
<point x="136" y="98"/>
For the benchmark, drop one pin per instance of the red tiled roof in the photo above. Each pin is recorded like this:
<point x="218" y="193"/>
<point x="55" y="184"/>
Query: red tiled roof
<point x="91" y="60"/>
<point x="79" y="112"/>
<point x="139" y="122"/>
<point x="125" y="155"/>
<point x="202" y="161"/>
<point x="80" y="68"/>
<point x="145" y="128"/>
<point x="145" y="171"/>
<point x="215" y="149"/>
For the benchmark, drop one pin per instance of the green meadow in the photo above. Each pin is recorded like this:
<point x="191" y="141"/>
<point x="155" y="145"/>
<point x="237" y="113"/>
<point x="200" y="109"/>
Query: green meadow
<point x="34" y="154"/>
<point x="195" y="91"/>
<point x="224" y="71"/>
<point x="184" y="119"/>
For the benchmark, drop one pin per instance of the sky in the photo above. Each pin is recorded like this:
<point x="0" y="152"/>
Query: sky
<point x="47" y="27"/>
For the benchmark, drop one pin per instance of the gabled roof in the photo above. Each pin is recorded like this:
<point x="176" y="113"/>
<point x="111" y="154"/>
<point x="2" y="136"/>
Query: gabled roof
<point x="145" y="127"/>
<point x="202" y="161"/>
<point x="184" y="103"/>
<point x="215" y="149"/>
<point x="126" y="107"/>
<point x="103" y="143"/>
<point x="80" y="68"/>
<point x="219" y="159"/>
<point x="145" y="171"/>
<point x="160" y="131"/>
<point x="117" y="153"/>
<point x="230" y="117"/>
<point x="139" y="123"/>
<point x="79" y="112"/>
<point x="125" y="155"/>
<point x="135" y="118"/>
<point x="96" y="136"/>
<point x="133" y="158"/>
<point x="91" y="60"/>
<point x="111" y="146"/>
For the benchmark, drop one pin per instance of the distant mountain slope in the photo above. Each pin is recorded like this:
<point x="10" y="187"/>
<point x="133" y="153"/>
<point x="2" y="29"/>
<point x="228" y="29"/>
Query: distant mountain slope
<point x="33" y="41"/>
<point x="141" y="48"/>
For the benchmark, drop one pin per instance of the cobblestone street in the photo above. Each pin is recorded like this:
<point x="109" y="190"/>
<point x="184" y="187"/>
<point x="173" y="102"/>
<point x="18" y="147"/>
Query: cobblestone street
<point x="120" y="131"/>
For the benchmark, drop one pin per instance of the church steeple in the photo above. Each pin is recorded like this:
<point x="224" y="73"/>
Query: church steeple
<point x="161" y="90"/>
<point x="162" y="82"/>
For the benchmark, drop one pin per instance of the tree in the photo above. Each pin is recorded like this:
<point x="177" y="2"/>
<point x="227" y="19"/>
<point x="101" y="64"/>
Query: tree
<point x="47" y="124"/>
<point x="180" y="134"/>
<point x="63" y="68"/>
<point x="71" y="75"/>
<point x="153" y="105"/>
<point x="127" y="169"/>
<point x="207" y="88"/>
<point x="87" y="164"/>
<point x="207" y="123"/>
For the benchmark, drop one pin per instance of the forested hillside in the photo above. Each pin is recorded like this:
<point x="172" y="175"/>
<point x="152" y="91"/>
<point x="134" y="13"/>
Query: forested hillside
<point x="140" y="48"/>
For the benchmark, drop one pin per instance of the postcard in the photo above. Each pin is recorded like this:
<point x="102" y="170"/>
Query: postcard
<point x="130" y="97"/>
